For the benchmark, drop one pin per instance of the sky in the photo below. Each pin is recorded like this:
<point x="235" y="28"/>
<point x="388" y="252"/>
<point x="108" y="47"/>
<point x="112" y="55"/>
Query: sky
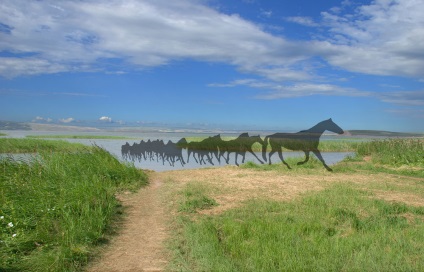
<point x="234" y="64"/>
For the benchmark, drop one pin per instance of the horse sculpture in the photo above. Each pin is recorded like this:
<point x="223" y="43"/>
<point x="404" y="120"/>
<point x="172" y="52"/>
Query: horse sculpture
<point x="305" y="140"/>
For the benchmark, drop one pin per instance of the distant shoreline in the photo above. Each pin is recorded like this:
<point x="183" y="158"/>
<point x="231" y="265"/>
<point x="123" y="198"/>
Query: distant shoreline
<point x="9" y="125"/>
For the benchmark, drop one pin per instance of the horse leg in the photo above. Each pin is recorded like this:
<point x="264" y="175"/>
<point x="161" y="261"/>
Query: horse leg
<point x="188" y="155"/>
<point x="221" y="154"/>
<point x="280" y="154"/>
<point x="251" y="151"/>
<point x="270" y="154"/>
<point x="318" y="154"/>
<point x="201" y="158"/>
<point x="306" y="158"/>
<point x="236" y="158"/>
<point x="228" y="156"/>
<point x="216" y="152"/>
<point x="209" y="158"/>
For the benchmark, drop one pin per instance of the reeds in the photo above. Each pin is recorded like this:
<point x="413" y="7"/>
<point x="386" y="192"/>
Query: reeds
<point x="394" y="152"/>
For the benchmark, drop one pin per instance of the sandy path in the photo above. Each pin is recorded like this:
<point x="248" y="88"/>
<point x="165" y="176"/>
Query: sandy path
<point x="140" y="244"/>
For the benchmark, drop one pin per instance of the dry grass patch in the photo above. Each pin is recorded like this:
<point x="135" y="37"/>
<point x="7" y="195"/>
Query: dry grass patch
<point x="232" y="186"/>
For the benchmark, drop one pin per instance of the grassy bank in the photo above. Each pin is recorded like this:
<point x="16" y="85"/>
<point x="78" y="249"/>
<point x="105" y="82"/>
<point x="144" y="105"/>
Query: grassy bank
<point x="338" y="229"/>
<point x="368" y="215"/>
<point x="105" y="137"/>
<point x="56" y="208"/>
<point x="3" y="134"/>
<point x="15" y="145"/>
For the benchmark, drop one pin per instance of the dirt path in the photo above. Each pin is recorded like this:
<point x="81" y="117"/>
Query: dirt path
<point x="140" y="244"/>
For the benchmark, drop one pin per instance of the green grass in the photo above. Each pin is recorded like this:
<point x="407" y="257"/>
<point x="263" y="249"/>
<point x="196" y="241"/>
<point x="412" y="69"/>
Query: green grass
<point x="3" y="134"/>
<point x="195" y="198"/>
<point x="338" y="229"/>
<point x="56" y="208"/>
<point x="342" y="228"/>
<point x="106" y="137"/>
<point x="16" y="145"/>
<point x="395" y="152"/>
<point x="311" y="167"/>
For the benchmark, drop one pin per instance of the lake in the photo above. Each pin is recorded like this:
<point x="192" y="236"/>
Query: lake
<point x="114" y="147"/>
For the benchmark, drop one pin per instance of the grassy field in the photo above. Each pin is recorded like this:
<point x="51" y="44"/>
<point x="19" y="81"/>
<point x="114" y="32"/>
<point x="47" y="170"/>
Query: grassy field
<point x="15" y="145"/>
<point x="366" y="216"/>
<point x="105" y="137"/>
<point x="3" y="134"/>
<point x="56" y="208"/>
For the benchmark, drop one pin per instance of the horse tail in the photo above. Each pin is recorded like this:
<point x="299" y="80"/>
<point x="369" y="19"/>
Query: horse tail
<point x="264" y="146"/>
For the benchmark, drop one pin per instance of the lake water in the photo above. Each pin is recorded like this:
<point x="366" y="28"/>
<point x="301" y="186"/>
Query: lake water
<point x="114" y="147"/>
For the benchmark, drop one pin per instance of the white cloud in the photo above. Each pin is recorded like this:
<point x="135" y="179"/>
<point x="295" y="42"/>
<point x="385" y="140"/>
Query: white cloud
<point x="307" y="89"/>
<point x="42" y="119"/>
<point x="59" y="37"/>
<point x="406" y="98"/>
<point x="66" y="120"/>
<point x="105" y="119"/>
<point x="385" y="37"/>
<point x="302" y="20"/>
<point x="279" y="91"/>
<point x="11" y="66"/>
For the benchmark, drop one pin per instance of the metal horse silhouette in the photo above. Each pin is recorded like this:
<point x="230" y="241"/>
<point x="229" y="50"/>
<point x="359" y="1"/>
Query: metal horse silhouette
<point x="305" y="140"/>
<point x="204" y="151"/>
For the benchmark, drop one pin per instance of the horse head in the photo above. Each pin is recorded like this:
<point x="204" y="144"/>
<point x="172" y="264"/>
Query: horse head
<point x="333" y="127"/>
<point x="182" y="143"/>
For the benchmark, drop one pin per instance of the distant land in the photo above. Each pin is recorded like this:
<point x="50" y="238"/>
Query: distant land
<point x="10" y="125"/>
<point x="382" y="133"/>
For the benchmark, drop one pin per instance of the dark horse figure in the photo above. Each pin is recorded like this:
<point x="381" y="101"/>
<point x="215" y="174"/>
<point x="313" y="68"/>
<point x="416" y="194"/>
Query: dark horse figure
<point x="305" y="140"/>
<point x="240" y="146"/>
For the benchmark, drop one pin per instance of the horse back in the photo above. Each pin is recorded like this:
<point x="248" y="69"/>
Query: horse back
<point x="295" y="141"/>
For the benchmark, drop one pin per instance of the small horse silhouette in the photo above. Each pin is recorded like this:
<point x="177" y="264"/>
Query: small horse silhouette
<point x="305" y="140"/>
<point x="240" y="146"/>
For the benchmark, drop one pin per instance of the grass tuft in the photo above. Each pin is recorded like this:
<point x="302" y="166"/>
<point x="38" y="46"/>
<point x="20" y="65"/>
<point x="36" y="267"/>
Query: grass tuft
<point x="195" y="198"/>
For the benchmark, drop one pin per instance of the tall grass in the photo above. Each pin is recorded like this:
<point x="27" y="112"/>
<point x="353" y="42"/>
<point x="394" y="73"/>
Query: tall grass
<point x="16" y="145"/>
<point x="55" y="208"/>
<point x="338" y="229"/>
<point x="394" y="152"/>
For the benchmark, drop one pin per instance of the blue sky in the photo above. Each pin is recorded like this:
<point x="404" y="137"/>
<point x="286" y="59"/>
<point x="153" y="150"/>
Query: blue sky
<point x="244" y="64"/>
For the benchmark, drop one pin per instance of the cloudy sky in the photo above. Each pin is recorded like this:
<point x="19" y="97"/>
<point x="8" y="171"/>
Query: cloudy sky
<point x="235" y="64"/>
